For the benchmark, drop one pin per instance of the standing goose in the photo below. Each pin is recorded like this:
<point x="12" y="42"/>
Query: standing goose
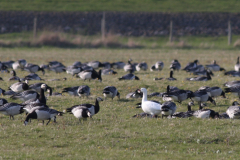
<point x="33" y="68"/>
<point x="201" y="96"/>
<point x="94" y="109"/>
<point x="175" y="65"/>
<point x="11" y="109"/>
<point x="108" y="72"/>
<point x="19" y="86"/>
<point x="168" y="109"/>
<point x="71" y="90"/>
<point x="110" y="91"/>
<point x="83" y="90"/>
<point x="214" y="67"/>
<point x="150" y="107"/>
<point x="25" y="95"/>
<point x="90" y="74"/>
<point x="42" y="113"/>
<point x="203" y="78"/>
<point x="129" y="76"/>
<point x="31" y="106"/>
<point x="237" y="65"/>
<point x="38" y="86"/>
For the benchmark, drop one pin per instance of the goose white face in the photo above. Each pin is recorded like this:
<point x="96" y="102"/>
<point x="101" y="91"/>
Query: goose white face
<point x="44" y="86"/>
<point x="25" y="123"/>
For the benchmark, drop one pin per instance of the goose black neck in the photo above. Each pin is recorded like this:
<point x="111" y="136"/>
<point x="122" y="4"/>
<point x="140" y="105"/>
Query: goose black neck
<point x="96" y="107"/>
<point x="189" y="108"/>
<point x="171" y="74"/>
<point x="42" y="98"/>
<point x="32" y="115"/>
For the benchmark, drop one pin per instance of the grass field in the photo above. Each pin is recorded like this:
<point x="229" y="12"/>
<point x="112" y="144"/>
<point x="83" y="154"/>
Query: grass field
<point x="122" y="5"/>
<point x="113" y="133"/>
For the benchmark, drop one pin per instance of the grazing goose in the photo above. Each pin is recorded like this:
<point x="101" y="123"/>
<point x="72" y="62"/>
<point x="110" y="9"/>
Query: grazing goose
<point x="187" y="114"/>
<point x="213" y="91"/>
<point x="19" y="86"/>
<point x="191" y="65"/>
<point x="38" y="86"/>
<point x="8" y="64"/>
<point x="232" y="73"/>
<point x="83" y="90"/>
<point x="81" y="112"/>
<point x="175" y="65"/>
<point x="57" y="68"/>
<point x="95" y="64"/>
<point x="3" y="101"/>
<point x="8" y="93"/>
<point x="55" y="63"/>
<point x="71" y="90"/>
<point x="201" y="96"/>
<point x="4" y="69"/>
<point x="142" y="66"/>
<point x="94" y="109"/>
<point x="214" y="67"/>
<point x="106" y="65"/>
<point x="42" y="113"/>
<point x="90" y="74"/>
<point x="150" y="107"/>
<point x="177" y="95"/>
<point x="77" y="64"/>
<point x="28" y="108"/>
<point x="129" y="76"/>
<point x="129" y="67"/>
<point x="33" y="68"/>
<point x="2" y="91"/>
<point x="108" y="72"/>
<point x="111" y="92"/>
<point x="19" y="64"/>
<point x="168" y="109"/>
<point x="14" y="77"/>
<point x="237" y="65"/>
<point x="205" y="113"/>
<point x="11" y="109"/>
<point x="235" y="90"/>
<point x="136" y="94"/>
<point x="25" y="95"/>
<point x="118" y="65"/>
<point x="233" y="112"/>
<point x="232" y="83"/>
<point x="202" y="78"/>
<point x="171" y="77"/>
<point x="32" y="76"/>
<point x="73" y="70"/>
<point x="203" y="73"/>
<point x="143" y="115"/>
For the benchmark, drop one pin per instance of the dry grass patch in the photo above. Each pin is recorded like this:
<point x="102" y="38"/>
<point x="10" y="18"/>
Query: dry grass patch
<point x="237" y="43"/>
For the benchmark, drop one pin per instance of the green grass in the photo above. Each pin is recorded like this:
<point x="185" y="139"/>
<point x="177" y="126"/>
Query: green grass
<point x="113" y="133"/>
<point x="122" y="5"/>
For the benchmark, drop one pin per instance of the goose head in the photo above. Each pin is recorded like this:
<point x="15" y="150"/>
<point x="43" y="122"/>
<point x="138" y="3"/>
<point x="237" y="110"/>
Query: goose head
<point x="44" y="86"/>
<point x="99" y="99"/>
<point x="211" y="100"/>
<point x="235" y="103"/>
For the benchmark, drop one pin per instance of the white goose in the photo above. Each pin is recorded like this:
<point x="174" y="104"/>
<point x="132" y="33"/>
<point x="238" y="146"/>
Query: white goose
<point x="150" y="107"/>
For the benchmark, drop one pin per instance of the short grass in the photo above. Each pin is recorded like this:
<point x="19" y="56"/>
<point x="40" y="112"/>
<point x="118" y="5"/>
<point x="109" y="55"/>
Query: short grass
<point x="122" y="5"/>
<point x="113" y="133"/>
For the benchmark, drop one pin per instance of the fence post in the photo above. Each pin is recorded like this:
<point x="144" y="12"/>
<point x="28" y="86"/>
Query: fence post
<point x="229" y="32"/>
<point x="170" y="32"/>
<point x="103" y="26"/>
<point x="35" y="27"/>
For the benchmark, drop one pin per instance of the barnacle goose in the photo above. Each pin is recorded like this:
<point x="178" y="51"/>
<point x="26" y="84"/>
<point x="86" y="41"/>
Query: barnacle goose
<point x="71" y="90"/>
<point x="201" y="96"/>
<point x="237" y="65"/>
<point x="136" y="94"/>
<point x="42" y="113"/>
<point x="83" y="90"/>
<point x="32" y="76"/>
<point x="143" y="115"/>
<point x="25" y="95"/>
<point x="235" y="90"/>
<point x="11" y="109"/>
<point x="14" y="77"/>
<point x="106" y="65"/>
<point x="213" y="91"/>
<point x="77" y="64"/>
<point x="191" y="65"/>
<point x="176" y="95"/>
<point x="203" y="73"/>
<point x="175" y="65"/>
<point x="232" y="83"/>
<point x="129" y="67"/>
<point x="95" y="64"/>
<point x="159" y="65"/>
<point x="171" y="77"/>
<point x="28" y="108"/>
<point x="81" y="112"/>
<point x="33" y="68"/>
<point x="202" y="78"/>
<point x="19" y="86"/>
<point x="8" y="64"/>
<point x="198" y="68"/>
<point x="118" y="65"/>
<point x="232" y="73"/>
<point x="111" y="92"/>
<point x="108" y="72"/>
<point x="129" y="76"/>
<point x="94" y="109"/>
<point x="205" y="113"/>
<point x="19" y="64"/>
<point x="91" y="74"/>
<point x="38" y="86"/>
<point x="142" y="66"/>
<point x="214" y="66"/>
<point x="57" y="68"/>
<point x="73" y="70"/>
<point x="187" y="114"/>
<point x="3" y="101"/>
<point x="168" y="108"/>
<point x="150" y="107"/>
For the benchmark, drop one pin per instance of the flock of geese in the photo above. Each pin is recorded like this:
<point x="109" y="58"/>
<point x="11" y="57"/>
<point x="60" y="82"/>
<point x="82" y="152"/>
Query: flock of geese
<point x="34" y="102"/>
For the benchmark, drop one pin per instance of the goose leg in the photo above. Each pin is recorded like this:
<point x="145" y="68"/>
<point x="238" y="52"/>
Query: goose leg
<point x="162" y="116"/>
<point x="200" y="107"/>
<point x="54" y="120"/>
<point x="48" y="121"/>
